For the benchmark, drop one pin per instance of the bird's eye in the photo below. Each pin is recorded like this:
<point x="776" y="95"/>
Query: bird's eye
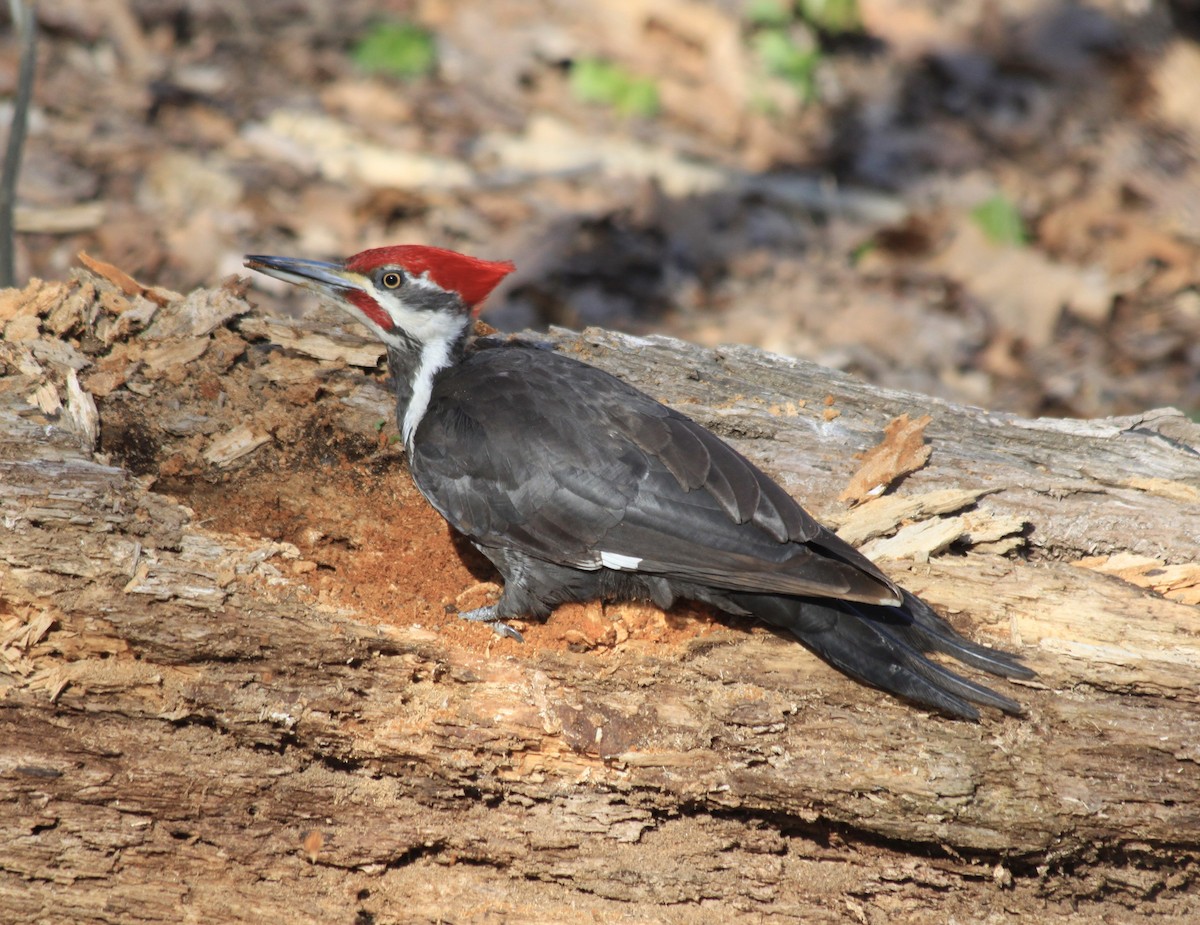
<point x="391" y="279"/>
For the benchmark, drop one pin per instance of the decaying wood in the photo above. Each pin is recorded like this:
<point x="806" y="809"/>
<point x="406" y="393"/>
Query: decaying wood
<point x="188" y="733"/>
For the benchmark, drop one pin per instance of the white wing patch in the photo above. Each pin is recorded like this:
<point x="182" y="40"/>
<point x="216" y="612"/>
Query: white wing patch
<point x="617" y="561"/>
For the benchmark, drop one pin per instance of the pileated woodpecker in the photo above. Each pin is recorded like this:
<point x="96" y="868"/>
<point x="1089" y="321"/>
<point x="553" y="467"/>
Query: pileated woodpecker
<point x="579" y="487"/>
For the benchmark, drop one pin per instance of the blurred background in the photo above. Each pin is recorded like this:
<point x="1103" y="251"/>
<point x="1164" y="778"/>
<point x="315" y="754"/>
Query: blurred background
<point x="994" y="202"/>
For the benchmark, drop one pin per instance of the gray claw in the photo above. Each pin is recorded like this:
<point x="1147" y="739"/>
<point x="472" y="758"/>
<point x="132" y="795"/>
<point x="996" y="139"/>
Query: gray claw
<point x="488" y="614"/>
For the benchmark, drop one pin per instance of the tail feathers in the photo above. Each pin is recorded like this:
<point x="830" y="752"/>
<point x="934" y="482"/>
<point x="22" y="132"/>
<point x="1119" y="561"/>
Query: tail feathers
<point x="884" y="647"/>
<point x="928" y="632"/>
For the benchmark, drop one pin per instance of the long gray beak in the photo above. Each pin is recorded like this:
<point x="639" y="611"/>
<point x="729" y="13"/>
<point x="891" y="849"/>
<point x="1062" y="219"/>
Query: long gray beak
<point x="317" y="275"/>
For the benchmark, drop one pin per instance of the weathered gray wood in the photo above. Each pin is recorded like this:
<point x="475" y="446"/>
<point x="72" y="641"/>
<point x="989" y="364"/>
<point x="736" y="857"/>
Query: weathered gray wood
<point x="194" y="735"/>
<point x="734" y="390"/>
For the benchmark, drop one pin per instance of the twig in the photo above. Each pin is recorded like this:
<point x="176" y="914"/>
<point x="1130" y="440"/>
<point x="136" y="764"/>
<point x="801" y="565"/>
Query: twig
<point x="24" y="20"/>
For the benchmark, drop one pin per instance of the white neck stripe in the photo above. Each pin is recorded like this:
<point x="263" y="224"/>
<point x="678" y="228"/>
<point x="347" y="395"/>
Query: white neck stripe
<point x="435" y="356"/>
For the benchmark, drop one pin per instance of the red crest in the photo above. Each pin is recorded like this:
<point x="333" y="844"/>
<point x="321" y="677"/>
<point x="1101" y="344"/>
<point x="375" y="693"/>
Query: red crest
<point x="470" y="277"/>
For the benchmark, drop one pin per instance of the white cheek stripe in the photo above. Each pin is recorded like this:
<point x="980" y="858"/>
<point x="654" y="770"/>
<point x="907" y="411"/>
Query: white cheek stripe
<point x="617" y="561"/>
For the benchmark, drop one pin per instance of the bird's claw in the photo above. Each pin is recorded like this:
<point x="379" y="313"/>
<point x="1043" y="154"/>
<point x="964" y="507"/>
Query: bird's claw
<point x="489" y="614"/>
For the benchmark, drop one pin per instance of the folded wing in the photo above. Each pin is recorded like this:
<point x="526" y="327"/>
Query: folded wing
<point x="580" y="469"/>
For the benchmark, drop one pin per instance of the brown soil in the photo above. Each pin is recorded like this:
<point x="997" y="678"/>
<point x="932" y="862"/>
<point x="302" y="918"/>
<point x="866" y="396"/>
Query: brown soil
<point x="371" y="544"/>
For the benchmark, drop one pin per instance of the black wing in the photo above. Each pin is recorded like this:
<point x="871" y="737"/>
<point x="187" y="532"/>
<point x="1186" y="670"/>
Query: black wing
<point x="527" y="448"/>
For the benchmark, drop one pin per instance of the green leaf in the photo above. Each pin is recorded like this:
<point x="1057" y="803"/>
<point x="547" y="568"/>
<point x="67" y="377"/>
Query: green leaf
<point x="781" y="57"/>
<point x="832" y="16"/>
<point x="769" y="13"/>
<point x="999" y="219"/>
<point x="398" y="49"/>
<point x="864" y="250"/>
<point x="597" y="81"/>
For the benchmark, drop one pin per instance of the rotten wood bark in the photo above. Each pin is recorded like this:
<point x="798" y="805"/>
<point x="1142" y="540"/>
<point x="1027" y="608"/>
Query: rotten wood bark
<point x="188" y="732"/>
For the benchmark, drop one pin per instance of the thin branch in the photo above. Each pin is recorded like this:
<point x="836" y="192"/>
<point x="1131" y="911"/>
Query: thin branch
<point x="24" y="20"/>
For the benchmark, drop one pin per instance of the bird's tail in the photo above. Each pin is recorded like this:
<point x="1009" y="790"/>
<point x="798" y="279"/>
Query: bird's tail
<point x="885" y="647"/>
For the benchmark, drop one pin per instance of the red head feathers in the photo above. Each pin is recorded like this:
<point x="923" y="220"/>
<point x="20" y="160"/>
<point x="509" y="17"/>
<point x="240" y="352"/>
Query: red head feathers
<point x="470" y="277"/>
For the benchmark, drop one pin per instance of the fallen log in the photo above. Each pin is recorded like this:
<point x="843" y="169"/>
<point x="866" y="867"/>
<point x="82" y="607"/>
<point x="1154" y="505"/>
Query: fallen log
<point x="230" y="689"/>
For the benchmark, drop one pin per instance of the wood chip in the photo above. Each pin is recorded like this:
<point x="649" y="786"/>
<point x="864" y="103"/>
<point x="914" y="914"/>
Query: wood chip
<point x="111" y="371"/>
<point x="1167" y="488"/>
<point x="902" y="450"/>
<point x="21" y="358"/>
<point x="883" y="516"/>
<point x="313" y="841"/>
<point x="286" y="369"/>
<point x="35" y="300"/>
<point x="199" y="313"/>
<point x="59" y="353"/>
<point x="53" y="680"/>
<point x="233" y="445"/>
<point x="122" y="317"/>
<point x="82" y="409"/>
<point x="20" y="632"/>
<point x="118" y="277"/>
<point x="77" y="310"/>
<point x="45" y="399"/>
<point x="23" y="327"/>
<point x="1000" y="547"/>
<point x="917" y="541"/>
<point x="126" y="283"/>
<point x="364" y="353"/>
<point x="922" y="540"/>
<point x="1176" y="582"/>
<point x="161" y="360"/>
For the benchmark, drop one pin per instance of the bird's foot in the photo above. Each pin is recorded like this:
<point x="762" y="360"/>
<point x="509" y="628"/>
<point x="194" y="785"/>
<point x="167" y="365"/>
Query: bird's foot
<point x="490" y="615"/>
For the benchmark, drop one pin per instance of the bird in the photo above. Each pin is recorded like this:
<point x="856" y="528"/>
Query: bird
<point x="578" y="487"/>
